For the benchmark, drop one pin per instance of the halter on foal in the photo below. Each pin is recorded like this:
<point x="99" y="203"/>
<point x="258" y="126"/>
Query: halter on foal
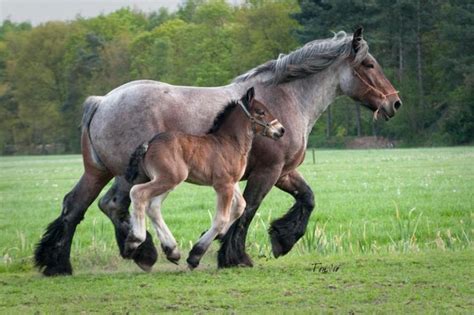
<point x="217" y="159"/>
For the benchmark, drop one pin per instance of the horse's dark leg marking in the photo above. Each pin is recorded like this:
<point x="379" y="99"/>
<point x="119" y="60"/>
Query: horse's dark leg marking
<point x="115" y="204"/>
<point x="287" y="230"/>
<point x="53" y="251"/>
<point x="232" y="252"/>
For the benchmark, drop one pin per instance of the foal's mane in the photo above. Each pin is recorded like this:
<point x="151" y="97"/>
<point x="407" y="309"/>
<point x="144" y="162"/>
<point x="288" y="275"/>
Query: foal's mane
<point x="222" y="115"/>
<point x="313" y="57"/>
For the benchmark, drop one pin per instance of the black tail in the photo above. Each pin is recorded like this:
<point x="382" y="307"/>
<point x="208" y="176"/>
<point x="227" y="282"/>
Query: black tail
<point x="134" y="167"/>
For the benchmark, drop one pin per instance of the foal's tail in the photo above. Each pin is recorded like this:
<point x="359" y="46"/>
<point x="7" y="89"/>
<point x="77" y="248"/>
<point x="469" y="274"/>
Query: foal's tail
<point x="134" y="168"/>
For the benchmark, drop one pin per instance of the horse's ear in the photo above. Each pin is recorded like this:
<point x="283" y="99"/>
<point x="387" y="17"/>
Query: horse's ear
<point x="356" y="39"/>
<point x="247" y="99"/>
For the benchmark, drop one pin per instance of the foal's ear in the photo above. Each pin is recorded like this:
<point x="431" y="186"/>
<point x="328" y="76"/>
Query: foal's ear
<point x="248" y="97"/>
<point x="356" y="39"/>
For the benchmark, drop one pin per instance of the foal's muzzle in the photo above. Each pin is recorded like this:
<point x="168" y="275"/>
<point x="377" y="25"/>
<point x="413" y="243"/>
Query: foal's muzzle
<point x="275" y="130"/>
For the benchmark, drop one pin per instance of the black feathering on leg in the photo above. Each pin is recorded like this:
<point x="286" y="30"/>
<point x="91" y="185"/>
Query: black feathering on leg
<point x="286" y="231"/>
<point x="232" y="252"/>
<point x="52" y="253"/>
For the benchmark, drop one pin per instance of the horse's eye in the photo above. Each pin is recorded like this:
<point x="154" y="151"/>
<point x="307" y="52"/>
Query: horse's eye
<point x="369" y="65"/>
<point x="260" y="112"/>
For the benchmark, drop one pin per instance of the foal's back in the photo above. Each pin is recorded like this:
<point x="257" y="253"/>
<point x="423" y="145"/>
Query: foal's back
<point x="202" y="160"/>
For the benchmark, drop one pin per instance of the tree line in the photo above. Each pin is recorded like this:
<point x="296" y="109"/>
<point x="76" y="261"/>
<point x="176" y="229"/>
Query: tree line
<point x="425" y="48"/>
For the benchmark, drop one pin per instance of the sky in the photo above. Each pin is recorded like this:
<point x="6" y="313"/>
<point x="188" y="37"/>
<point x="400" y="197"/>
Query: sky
<point x="39" y="11"/>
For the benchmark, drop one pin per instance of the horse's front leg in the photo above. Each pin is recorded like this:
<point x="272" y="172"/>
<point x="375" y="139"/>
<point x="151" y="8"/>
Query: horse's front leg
<point x="232" y="252"/>
<point x="115" y="205"/>
<point x="287" y="230"/>
<point x="225" y="194"/>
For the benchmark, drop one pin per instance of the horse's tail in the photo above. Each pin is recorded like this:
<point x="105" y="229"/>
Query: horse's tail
<point x="134" y="168"/>
<point x="90" y="107"/>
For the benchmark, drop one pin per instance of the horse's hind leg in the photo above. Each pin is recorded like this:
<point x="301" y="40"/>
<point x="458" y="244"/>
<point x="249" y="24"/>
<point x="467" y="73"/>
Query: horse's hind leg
<point x="115" y="204"/>
<point x="168" y="242"/>
<point x="53" y="251"/>
<point x="287" y="230"/>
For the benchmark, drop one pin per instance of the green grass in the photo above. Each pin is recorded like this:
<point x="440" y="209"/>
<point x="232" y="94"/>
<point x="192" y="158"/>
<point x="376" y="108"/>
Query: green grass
<point x="407" y="283"/>
<point x="398" y="221"/>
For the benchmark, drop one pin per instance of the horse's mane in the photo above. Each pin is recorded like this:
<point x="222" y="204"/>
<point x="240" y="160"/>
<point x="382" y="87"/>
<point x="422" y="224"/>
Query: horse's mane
<point x="313" y="57"/>
<point x="222" y="115"/>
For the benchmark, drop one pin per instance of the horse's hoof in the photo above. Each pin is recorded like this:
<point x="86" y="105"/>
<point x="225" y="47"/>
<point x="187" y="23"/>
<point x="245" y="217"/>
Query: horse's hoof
<point x="58" y="271"/>
<point x="128" y="250"/>
<point x="144" y="267"/>
<point x="280" y="247"/>
<point x="233" y="258"/>
<point x="172" y="254"/>
<point x="145" y="256"/>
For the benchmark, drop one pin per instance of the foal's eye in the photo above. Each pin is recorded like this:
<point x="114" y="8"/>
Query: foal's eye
<point x="369" y="65"/>
<point x="260" y="112"/>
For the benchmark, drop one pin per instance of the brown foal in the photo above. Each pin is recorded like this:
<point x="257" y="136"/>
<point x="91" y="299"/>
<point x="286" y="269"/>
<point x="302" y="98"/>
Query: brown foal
<point x="217" y="159"/>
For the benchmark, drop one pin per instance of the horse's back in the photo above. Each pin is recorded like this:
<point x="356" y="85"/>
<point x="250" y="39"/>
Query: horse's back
<point x="132" y="113"/>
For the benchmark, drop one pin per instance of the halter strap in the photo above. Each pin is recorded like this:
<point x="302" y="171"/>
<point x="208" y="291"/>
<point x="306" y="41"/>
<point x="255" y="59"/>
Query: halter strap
<point x="371" y="87"/>
<point x="253" y="120"/>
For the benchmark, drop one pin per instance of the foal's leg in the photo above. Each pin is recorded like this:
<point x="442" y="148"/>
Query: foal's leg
<point x="115" y="205"/>
<point x="168" y="242"/>
<point x="221" y="219"/>
<point x="238" y="207"/>
<point x="141" y="195"/>
<point x="232" y="252"/>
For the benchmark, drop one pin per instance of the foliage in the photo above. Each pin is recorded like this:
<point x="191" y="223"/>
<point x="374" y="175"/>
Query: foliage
<point x="48" y="70"/>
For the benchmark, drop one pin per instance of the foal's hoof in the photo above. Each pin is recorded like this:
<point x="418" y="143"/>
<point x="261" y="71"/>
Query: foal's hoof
<point x="172" y="254"/>
<point x="193" y="262"/>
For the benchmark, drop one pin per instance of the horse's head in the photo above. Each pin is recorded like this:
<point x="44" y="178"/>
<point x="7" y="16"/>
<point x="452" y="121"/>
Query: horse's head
<point x="263" y="122"/>
<point x="364" y="81"/>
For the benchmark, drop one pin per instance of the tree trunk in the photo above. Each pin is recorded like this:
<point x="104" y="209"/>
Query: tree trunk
<point x="329" y="123"/>
<point x="357" y="106"/>
<point x="418" y="56"/>
<point x="374" y="128"/>
<point x="400" y="43"/>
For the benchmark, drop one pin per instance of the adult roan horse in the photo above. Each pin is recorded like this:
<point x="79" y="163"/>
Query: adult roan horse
<point x="217" y="159"/>
<point x="297" y="87"/>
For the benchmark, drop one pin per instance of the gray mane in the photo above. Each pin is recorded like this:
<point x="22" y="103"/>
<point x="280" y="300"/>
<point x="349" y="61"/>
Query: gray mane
<point x="313" y="57"/>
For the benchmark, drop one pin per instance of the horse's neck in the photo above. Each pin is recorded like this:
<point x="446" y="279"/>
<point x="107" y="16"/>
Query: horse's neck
<point x="315" y="93"/>
<point x="237" y="130"/>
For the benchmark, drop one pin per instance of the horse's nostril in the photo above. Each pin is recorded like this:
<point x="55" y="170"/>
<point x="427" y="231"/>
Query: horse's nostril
<point x="282" y="130"/>
<point x="397" y="105"/>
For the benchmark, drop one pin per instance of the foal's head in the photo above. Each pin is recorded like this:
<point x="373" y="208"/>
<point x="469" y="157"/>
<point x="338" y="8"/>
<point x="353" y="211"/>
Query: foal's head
<point x="263" y="122"/>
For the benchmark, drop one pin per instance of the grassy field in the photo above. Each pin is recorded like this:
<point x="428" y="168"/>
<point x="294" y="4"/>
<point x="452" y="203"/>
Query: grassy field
<point x="392" y="230"/>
